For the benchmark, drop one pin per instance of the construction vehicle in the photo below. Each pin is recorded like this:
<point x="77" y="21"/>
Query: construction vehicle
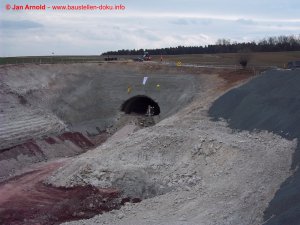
<point x="146" y="56"/>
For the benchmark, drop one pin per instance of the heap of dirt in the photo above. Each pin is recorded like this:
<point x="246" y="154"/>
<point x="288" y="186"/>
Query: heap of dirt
<point x="270" y="102"/>
<point x="186" y="169"/>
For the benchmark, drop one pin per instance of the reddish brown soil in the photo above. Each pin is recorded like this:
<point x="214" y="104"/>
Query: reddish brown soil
<point x="29" y="148"/>
<point x="25" y="200"/>
<point x="50" y="140"/>
<point x="233" y="77"/>
<point x="100" y="138"/>
<point x="77" y="138"/>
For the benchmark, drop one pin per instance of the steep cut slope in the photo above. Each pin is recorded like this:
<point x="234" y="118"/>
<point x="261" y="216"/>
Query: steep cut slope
<point x="88" y="97"/>
<point x="20" y="121"/>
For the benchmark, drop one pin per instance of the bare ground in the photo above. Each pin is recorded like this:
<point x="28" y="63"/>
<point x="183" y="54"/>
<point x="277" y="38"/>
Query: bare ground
<point x="187" y="169"/>
<point x="25" y="200"/>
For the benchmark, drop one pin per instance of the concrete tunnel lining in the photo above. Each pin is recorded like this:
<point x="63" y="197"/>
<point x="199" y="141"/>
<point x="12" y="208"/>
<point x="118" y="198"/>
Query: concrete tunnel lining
<point x="139" y="104"/>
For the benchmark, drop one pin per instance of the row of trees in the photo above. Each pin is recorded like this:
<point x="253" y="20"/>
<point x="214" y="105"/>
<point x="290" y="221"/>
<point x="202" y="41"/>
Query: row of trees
<point x="271" y="44"/>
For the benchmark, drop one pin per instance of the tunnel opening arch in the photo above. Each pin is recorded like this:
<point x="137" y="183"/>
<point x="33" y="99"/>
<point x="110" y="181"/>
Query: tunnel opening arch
<point x="140" y="104"/>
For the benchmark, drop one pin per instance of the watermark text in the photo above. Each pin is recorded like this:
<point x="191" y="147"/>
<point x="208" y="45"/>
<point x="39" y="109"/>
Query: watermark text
<point x="44" y="7"/>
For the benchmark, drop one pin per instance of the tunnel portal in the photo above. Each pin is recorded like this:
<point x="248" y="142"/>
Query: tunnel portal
<point x="139" y="104"/>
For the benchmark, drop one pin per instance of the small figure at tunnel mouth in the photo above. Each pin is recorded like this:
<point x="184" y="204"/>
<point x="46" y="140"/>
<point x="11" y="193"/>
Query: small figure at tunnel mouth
<point x="150" y="111"/>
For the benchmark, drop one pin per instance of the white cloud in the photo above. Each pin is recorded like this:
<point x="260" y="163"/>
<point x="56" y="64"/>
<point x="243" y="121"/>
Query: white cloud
<point x="144" y="24"/>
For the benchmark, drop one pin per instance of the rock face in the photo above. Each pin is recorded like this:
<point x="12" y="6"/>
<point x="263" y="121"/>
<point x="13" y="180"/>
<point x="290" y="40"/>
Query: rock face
<point x="271" y="102"/>
<point x="21" y="121"/>
<point x="88" y="97"/>
<point x="41" y="150"/>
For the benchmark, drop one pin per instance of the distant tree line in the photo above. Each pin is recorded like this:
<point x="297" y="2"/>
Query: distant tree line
<point x="271" y="44"/>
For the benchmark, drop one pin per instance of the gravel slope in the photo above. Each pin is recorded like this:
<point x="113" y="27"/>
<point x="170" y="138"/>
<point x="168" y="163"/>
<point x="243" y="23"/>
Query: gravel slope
<point x="187" y="168"/>
<point x="270" y="102"/>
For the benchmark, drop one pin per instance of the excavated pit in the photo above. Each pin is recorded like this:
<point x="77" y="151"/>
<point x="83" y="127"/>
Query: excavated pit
<point x="202" y="170"/>
<point x="54" y="111"/>
<point x="47" y="104"/>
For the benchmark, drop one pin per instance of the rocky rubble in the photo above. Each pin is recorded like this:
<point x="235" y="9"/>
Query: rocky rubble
<point x="188" y="170"/>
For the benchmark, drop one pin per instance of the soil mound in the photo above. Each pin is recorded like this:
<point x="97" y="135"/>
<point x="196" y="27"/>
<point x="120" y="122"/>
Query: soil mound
<point x="270" y="102"/>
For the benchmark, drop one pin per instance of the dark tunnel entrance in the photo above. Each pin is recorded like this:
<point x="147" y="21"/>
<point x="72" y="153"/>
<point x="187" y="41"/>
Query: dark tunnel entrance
<point x="140" y="104"/>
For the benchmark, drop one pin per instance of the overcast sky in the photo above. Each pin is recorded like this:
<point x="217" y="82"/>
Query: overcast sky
<point x="143" y="24"/>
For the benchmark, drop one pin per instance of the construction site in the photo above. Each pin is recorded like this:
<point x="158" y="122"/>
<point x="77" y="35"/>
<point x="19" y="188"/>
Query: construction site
<point x="126" y="142"/>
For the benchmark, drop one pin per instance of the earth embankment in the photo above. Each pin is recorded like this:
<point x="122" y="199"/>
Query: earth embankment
<point x="270" y="102"/>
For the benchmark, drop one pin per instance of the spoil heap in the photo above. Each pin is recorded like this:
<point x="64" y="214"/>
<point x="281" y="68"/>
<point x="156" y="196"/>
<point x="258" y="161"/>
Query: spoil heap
<point x="271" y="102"/>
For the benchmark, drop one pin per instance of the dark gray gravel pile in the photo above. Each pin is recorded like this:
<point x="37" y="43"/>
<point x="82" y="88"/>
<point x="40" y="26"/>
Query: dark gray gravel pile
<point x="269" y="102"/>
